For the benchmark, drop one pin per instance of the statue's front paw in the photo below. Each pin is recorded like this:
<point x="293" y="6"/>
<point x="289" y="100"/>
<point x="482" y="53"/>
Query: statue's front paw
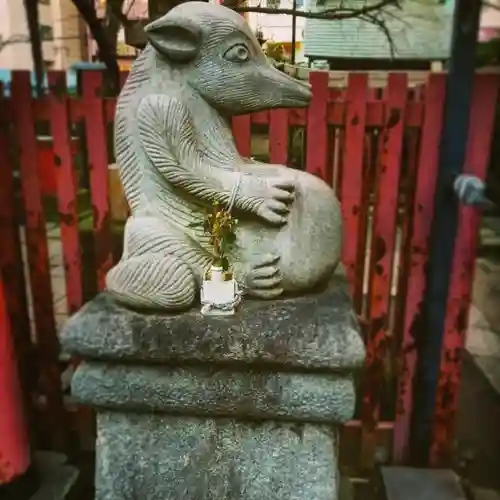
<point x="269" y="198"/>
<point x="264" y="278"/>
<point x="276" y="202"/>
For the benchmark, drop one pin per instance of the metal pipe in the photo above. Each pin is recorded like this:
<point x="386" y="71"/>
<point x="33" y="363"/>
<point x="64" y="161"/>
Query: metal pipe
<point x="444" y="225"/>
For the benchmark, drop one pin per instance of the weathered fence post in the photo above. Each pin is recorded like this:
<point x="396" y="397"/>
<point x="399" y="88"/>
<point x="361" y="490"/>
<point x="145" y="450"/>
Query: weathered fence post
<point x="14" y="444"/>
<point x="429" y="403"/>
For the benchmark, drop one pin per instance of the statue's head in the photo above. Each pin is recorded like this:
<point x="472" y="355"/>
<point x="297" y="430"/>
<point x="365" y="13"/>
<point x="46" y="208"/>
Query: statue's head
<point x="222" y="60"/>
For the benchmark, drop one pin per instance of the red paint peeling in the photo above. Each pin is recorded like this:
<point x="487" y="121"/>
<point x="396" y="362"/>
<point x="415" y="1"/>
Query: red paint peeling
<point x="317" y="128"/>
<point x="352" y="184"/>
<point x="66" y="192"/>
<point x="383" y="244"/>
<point x="11" y="265"/>
<point x="481" y="126"/>
<point x="14" y="447"/>
<point x="92" y="82"/>
<point x="416" y="280"/>
<point x="37" y="250"/>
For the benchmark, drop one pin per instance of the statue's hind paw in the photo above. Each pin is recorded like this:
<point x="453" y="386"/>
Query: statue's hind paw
<point x="152" y="281"/>
<point x="263" y="279"/>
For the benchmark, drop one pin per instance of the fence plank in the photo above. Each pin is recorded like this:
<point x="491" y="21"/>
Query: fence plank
<point x="278" y="136"/>
<point x="11" y="260"/>
<point x="352" y="185"/>
<point x="123" y="78"/>
<point x="317" y="128"/>
<point x="38" y="257"/>
<point x="95" y="130"/>
<point x="14" y="445"/>
<point x="381" y="260"/>
<point x="459" y="295"/>
<point x="66" y="190"/>
<point x="421" y="214"/>
<point x="242" y="134"/>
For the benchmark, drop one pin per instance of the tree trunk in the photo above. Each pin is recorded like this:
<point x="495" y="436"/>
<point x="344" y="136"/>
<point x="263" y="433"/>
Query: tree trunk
<point x="158" y="8"/>
<point x="106" y="53"/>
<point x="113" y="23"/>
<point x="31" y="8"/>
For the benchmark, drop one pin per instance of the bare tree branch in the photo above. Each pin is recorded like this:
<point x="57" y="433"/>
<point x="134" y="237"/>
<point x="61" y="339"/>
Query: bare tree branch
<point x="114" y="20"/>
<point x="31" y="9"/>
<point x="19" y="39"/>
<point x="114" y="8"/>
<point x="335" y="14"/>
<point x="369" y="12"/>
<point x="380" y="23"/>
<point x="129" y="8"/>
<point x="13" y="40"/>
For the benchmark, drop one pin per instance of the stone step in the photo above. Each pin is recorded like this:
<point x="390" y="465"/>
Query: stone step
<point x="57" y="477"/>
<point x="407" y="483"/>
<point x="346" y="489"/>
<point x="491" y="223"/>
<point x="485" y="494"/>
<point x="484" y="345"/>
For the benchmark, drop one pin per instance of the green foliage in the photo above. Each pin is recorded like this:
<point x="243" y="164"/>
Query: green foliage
<point x="220" y="225"/>
<point x="275" y="51"/>
<point x="488" y="53"/>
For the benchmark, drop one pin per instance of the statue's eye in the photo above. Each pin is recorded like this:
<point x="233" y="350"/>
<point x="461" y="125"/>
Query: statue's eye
<point x="238" y="53"/>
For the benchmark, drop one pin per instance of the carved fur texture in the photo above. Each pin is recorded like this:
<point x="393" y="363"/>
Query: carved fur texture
<point x="176" y="155"/>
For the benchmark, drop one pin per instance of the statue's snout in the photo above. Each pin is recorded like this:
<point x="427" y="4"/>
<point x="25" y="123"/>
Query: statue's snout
<point x="288" y="91"/>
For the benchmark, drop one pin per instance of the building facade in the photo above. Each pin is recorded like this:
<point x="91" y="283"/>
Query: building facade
<point x="62" y="32"/>
<point x="274" y="27"/>
<point x="278" y="27"/>
<point x="420" y="32"/>
<point x="490" y="21"/>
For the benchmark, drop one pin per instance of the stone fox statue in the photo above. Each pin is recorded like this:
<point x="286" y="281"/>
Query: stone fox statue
<point x="177" y="155"/>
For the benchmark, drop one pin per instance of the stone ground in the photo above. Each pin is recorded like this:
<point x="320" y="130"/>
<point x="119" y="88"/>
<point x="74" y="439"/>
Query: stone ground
<point x="479" y="417"/>
<point x="478" y="428"/>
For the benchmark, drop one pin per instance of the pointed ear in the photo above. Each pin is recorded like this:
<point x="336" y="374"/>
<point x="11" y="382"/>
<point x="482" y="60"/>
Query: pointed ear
<point x="178" y="40"/>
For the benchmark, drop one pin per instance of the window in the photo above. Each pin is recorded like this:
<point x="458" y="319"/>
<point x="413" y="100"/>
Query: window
<point x="46" y="33"/>
<point x="273" y="4"/>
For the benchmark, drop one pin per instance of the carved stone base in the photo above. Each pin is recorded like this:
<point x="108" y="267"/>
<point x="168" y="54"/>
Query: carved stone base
<point x="210" y="408"/>
<point x="158" y="457"/>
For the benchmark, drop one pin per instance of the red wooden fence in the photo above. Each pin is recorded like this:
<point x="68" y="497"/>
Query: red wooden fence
<point x="381" y="155"/>
<point x="14" y="446"/>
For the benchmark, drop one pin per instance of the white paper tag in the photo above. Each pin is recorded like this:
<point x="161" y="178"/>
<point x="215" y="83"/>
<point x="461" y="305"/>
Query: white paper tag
<point x="218" y="292"/>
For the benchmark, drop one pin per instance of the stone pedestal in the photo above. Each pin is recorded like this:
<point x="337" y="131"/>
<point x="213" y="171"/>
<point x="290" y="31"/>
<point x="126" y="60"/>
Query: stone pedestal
<point x="219" y="408"/>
